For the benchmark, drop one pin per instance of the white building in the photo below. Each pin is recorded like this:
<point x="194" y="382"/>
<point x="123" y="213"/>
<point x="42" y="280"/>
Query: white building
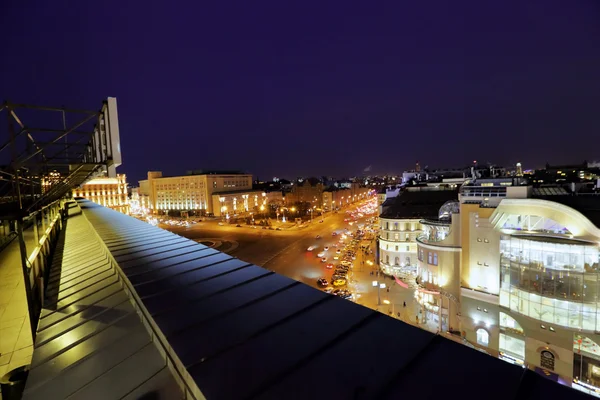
<point x="400" y="224"/>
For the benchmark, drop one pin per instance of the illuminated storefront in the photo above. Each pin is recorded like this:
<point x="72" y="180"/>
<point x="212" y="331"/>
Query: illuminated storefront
<point x="586" y="365"/>
<point x="552" y="280"/>
<point x="512" y="340"/>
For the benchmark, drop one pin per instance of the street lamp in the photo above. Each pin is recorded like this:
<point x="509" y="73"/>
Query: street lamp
<point x="379" y="286"/>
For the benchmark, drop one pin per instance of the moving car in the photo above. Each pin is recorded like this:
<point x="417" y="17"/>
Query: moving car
<point x="322" y="282"/>
<point x="324" y="260"/>
<point x="311" y="248"/>
<point x="326" y="248"/>
<point x="339" y="282"/>
<point x="329" y="266"/>
<point x="321" y="254"/>
<point x="318" y="237"/>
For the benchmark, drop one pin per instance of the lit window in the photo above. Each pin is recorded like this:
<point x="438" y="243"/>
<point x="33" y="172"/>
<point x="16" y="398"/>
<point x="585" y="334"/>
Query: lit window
<point x="486" y="241"/>
<point x="479" y="239"/>
<point x="483" y="337"/>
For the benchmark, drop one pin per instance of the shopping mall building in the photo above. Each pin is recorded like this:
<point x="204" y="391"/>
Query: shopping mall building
<point x="514" y="269"/>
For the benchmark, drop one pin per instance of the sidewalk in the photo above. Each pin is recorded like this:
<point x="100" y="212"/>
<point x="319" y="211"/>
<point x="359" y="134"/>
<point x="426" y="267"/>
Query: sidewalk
<point x="369" y="295"/>
<point x="16" y="343"/>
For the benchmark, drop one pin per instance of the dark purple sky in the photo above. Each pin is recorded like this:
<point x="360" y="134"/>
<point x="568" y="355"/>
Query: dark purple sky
<point x="322" y="88"/>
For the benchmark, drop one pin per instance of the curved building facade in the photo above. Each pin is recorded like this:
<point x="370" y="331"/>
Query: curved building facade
<point x="439" y="258"/>
<point x="546" y="313"/>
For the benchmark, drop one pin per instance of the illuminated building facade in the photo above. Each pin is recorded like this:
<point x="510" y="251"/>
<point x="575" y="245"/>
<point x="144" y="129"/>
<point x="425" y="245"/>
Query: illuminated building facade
<point x="50" y="180"/>
<point x="530" y="281"/>
<point x="400" y="225"/>
<point x="196" y="192"/>
<point x="108" y="192"/>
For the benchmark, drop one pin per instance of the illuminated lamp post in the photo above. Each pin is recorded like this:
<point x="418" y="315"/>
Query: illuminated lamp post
<point x="379" y="286"/>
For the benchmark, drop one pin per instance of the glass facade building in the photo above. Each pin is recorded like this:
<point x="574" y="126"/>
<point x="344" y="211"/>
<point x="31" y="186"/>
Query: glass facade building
<point x="552" y="280"/>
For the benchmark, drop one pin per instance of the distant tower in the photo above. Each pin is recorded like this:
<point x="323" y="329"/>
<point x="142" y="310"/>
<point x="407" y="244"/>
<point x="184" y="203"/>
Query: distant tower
<point x="417" y="167"/>
<point x="519" y="169"/>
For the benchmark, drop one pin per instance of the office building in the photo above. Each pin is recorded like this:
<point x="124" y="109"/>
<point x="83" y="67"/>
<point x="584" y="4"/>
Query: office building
<point x="218" y="193"/>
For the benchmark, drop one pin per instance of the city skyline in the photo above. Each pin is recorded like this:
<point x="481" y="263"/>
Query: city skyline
<point x="311" y="91"/>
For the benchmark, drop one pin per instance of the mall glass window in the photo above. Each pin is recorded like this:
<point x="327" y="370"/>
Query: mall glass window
<point x="510" y="324"/>
<point x="483" y="337"/>
<point x="513" y="346"/>
<point x="554" y="281"/>
<point x="429" y="257"/>
<point x="435" y="259"/>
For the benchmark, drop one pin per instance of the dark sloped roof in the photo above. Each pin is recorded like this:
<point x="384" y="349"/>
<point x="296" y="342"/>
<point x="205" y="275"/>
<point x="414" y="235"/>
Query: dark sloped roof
<point x="588" y="205"/>
<point x="418" y="204"/>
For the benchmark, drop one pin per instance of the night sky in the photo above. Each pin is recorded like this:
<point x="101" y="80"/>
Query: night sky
<point x="317" y="88"/>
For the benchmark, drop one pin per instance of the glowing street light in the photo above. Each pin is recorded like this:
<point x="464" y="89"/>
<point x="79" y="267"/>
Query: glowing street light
<point x="379" y="286"/>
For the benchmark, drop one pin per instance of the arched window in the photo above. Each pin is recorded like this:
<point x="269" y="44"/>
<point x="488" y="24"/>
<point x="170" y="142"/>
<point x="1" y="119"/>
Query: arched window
<point x="483" y="337"/>
<point x="397" y="261"/>
<point x="387" y="259"/>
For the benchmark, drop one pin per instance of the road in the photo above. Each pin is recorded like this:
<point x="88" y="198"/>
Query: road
<point x="285" y="252"/>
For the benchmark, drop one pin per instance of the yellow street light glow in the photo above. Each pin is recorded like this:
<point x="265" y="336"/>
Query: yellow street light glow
<point x="386" y="302"/>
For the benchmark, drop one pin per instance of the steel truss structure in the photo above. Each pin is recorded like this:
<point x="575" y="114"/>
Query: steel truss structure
<point x="44" y="153"/>
<point x="47" y="151"/>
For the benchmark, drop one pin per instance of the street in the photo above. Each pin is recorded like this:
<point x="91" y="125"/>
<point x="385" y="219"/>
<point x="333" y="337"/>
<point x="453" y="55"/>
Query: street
<point x="285" y="252"/>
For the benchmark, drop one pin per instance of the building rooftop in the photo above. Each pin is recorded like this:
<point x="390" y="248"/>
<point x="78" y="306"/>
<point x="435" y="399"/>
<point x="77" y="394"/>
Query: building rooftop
<point x="238" y="331"/>
<point x="588" y="204"/>
<point x="418" y="204"/>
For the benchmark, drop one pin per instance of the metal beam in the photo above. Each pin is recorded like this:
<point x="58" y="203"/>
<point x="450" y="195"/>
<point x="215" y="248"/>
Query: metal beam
<point x="86" y="119"/>
<point x="44" y="108"/>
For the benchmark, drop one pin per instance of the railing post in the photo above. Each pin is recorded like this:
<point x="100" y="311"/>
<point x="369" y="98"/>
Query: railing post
<point x="26" y="278"/>
<point x="36" y="233"/>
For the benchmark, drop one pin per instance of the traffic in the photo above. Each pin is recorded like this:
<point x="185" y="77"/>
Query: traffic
<point x="347" y="249"/>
